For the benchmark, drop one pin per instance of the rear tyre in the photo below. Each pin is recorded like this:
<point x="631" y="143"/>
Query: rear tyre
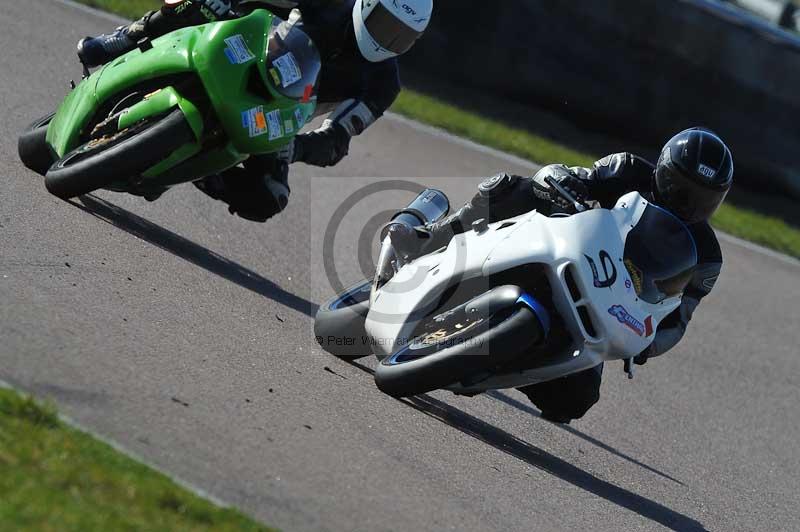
<point x="460" y="349"/>
<point x="32" y="146"/>
<point x="118" y="156"/>
<point x="339" y="323"/>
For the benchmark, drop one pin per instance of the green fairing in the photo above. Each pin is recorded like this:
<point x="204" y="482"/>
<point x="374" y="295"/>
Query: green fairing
<point x="159" y="103"/>
<point x="233" y="90"/>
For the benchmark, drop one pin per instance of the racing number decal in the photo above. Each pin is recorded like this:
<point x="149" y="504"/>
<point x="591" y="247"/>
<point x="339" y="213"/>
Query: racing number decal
<point x="609" y="270"/>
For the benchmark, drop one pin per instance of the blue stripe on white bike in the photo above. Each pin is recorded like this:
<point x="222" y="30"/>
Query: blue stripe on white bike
<point x="537" y="308"/>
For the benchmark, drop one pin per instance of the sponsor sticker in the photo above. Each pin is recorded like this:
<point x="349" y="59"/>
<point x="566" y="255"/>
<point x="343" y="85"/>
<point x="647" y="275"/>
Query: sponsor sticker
<point x="237" y="51"/>
<point x="289" y="69"/>
<point x="636" y="275"/>
<point x="255" y="121"/>
<point x="299" y="117"/>
<point x="706" y="171"/>
<point x="625" y="318"/>
<point x="274" y="125"/>
<point x="275" y="77"/>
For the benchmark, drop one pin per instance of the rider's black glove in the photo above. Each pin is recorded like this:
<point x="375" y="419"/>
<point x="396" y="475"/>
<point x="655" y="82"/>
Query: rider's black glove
<point x="324" y="147"/>
<point x="407" y="241"/>
<point x="576" y="187"/>
<point x="564" y="177"/>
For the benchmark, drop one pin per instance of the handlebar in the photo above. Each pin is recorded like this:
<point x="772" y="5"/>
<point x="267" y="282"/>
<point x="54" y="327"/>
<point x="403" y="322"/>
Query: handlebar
<point x="564" y="193"/>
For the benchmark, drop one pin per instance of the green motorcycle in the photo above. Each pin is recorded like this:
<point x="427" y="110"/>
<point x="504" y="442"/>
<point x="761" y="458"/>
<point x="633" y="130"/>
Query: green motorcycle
<point x="187" y="105"/>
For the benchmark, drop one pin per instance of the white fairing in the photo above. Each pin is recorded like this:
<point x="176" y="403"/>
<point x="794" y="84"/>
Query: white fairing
<point x="624" y="325"/>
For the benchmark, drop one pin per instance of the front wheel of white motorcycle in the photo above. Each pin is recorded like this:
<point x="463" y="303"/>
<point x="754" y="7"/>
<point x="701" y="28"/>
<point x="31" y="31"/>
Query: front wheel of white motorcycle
<point x="339" y="323"/>
<point x="458" y="349"/>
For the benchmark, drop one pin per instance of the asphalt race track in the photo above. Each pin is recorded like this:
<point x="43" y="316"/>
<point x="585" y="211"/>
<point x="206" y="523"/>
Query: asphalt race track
<point x="184" y="334"/>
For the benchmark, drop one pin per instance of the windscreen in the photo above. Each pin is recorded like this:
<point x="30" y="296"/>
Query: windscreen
<point x="660" y="255"/>
<point x="293" y="61"/>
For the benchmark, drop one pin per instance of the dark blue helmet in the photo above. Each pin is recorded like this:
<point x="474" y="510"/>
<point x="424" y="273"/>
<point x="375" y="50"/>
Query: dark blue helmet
<point x="693" y="175"/>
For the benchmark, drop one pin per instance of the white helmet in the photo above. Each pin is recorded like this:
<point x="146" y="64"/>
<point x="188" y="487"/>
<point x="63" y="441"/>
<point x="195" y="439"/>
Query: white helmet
<point x="388" y="28"/>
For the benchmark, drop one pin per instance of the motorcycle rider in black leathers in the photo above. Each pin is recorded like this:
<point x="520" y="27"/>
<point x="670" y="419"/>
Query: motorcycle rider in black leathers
<point x="358" y="40"/>
<point x="691" y="179"/>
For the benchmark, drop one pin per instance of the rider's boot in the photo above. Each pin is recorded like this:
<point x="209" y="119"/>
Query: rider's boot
<point x="256" y="192"/>
<point x="96" y="51"/>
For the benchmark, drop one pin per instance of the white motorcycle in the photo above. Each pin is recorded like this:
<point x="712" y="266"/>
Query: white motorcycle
<point x="517" y="302"/>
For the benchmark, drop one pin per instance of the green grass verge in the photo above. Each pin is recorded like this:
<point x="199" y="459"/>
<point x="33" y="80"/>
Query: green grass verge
<point x="133" y="9"/>
<point x="486" y="131"/>
<point x="750" y="225"/>
<point x="57" y="478"/>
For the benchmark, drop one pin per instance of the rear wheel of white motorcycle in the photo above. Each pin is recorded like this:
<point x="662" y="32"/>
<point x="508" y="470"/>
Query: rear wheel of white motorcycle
<point x="457" y="351"/>
<point x="118" y="155"/>
<point x="339" y="323"/>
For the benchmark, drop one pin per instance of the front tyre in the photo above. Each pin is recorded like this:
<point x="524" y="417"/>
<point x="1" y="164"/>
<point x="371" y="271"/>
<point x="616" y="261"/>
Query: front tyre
<point x="32" y="146"/>
<point x="119" y="155"/>
<point x="339" y="323"/>
<point x="460" y="348"/>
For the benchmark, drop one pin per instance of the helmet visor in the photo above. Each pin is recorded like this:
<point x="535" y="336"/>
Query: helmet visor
<point x="389" y="32"/>
<point x="688" y="200"/>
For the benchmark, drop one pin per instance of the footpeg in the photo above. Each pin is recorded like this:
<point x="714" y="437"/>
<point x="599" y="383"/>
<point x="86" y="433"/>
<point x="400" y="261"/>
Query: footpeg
<point x="629" y="367"/>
